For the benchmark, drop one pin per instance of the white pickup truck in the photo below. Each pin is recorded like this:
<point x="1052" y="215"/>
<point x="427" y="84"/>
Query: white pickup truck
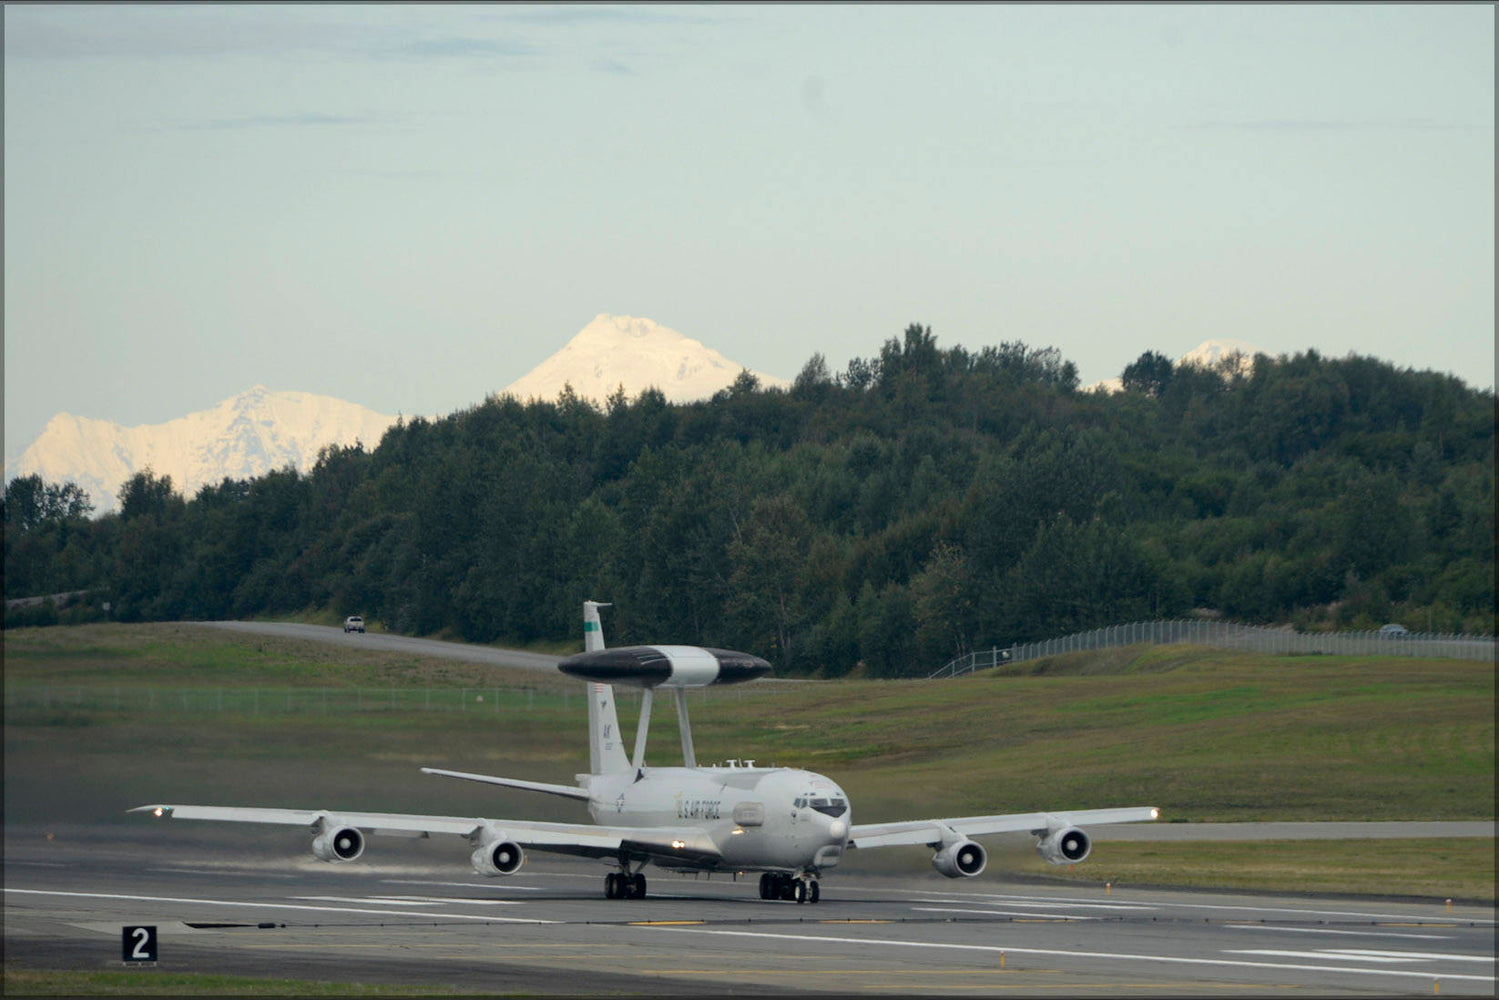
<point x="353" y="623"/>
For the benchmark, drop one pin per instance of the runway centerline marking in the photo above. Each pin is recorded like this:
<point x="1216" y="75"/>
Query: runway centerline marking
<point x="355" y="899"/>
<point x="278" y="906"/>
<point x="976" y="897"/>
<point x="464" y="885"/>
<point x="257" y="875"/>
<point x="1063" y="953"/>
<point x="1001" y="913"/>
<point x="1040" y="905"/>
<point x="1328" y="930"/>
<point x="459" y="900"/>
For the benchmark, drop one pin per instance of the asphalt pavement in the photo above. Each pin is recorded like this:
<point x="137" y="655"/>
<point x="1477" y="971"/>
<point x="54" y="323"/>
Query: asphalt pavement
<point x="413" y="912"/>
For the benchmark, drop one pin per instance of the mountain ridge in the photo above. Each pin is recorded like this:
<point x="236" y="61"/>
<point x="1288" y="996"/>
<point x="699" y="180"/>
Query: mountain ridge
<point x="248" y="434"/>
<point x="260" y="429"/>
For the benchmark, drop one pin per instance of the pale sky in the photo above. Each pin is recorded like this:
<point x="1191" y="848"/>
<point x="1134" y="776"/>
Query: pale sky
<point x="411" y="207"/>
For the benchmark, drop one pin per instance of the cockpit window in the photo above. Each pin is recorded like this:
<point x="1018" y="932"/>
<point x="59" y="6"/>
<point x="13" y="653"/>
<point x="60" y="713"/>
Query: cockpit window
<point x="830" y="807"/>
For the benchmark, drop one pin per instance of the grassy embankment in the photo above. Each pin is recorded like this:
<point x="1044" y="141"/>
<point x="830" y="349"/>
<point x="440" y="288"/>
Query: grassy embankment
<point x="134" y="714"/>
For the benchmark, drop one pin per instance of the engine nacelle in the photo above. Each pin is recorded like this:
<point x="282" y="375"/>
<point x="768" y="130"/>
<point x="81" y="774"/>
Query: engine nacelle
<point x="1066" y="846"/>
<point x="963" y="859"/>
<point x="502" y="857"/>
<point x="342" y="844"/>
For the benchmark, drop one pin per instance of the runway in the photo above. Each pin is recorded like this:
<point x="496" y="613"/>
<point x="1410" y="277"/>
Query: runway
<point x="252" y="902"/>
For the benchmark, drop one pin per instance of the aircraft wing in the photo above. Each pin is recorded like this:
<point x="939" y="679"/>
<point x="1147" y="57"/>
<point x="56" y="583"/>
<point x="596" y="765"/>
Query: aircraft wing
<point x="686" y="845"/>
<point x="933" y="832"/>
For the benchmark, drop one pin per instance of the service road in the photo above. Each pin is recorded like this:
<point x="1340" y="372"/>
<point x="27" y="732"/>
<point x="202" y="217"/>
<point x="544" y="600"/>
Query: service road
<point x="227" y="900"/>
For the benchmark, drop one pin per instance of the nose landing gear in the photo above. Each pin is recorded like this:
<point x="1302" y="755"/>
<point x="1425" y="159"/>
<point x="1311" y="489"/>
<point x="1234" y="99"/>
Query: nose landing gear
<point x="800" y="888"/>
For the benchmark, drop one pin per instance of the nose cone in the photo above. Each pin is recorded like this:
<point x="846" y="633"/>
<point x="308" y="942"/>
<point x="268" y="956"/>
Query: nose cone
<point x="838" y="829"/>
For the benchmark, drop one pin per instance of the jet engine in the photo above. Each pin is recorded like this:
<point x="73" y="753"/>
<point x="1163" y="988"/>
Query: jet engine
<point x="963" y="859"/>
<point x="502" y="857"/>
<point x="1064" y="846"/>
<point x="338" y="844"/>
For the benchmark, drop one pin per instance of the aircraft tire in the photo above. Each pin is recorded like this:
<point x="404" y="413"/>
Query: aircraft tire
<point x="637" y="886"/>
<point x="799" y="890"/>
<point x="618" y="885"/>
<point x="765" y="885"/>
<point x="814" y="892"/>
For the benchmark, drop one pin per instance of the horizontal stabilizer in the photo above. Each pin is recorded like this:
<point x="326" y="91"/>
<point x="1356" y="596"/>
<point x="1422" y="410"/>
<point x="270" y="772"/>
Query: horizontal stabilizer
<point x="566" y="791"/>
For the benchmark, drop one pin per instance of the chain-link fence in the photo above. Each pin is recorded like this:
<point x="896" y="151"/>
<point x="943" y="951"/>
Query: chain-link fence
<point x="1227" y="635"/>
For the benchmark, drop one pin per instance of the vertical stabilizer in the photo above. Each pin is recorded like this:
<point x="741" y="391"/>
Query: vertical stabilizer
<point x="593" y="632"/>
<point x="606" y="751"/>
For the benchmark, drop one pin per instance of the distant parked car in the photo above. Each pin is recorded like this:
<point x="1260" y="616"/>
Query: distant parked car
<point x="1393" y="631"/>
<point x="353" y="623"/>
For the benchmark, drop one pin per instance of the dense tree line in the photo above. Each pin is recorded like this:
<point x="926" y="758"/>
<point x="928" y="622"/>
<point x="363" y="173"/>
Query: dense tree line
<point x="918" y="504"/>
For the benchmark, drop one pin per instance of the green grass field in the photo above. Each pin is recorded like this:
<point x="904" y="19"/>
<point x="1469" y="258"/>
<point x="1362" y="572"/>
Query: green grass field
<point x="135" y="714"/>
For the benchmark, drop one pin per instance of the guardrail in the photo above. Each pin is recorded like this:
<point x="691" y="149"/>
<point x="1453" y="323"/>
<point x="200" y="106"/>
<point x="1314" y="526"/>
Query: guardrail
<point x="1228" y="635"/>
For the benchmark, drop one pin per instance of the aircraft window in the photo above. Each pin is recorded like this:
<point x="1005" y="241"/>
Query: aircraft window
<point x="830" y="807"/>
<point x="800" y="803"/>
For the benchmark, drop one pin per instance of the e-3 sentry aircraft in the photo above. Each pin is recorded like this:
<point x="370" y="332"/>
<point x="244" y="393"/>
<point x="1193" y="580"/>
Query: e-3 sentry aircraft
<point x="789" y="825"/>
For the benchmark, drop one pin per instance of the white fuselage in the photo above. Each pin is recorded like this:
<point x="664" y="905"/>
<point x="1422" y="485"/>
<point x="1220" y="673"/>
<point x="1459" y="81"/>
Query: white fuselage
<point x="759" y="818"/>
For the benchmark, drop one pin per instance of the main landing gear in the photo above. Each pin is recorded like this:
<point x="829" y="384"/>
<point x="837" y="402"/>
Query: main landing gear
<point x="623" y="885"/>
<point x="779" y="885"/>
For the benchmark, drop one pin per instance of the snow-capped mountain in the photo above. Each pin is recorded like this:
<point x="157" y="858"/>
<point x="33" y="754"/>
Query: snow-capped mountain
<point x="1205" y="355"/>
<point x="1210" y="353"/>
<point x="245" y="435"/>
<point x="261" y="430"/>
<point x="637" y="353"/>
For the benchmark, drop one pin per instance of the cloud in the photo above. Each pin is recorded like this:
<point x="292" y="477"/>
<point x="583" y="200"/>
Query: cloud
<point x="463" y="48"/>
<point x="1322" y="125"/>
<point x="613" y="66"/>
<point x="67" y="32"/>
<point x="574" y="14"/>
<point x="302" y="119"/>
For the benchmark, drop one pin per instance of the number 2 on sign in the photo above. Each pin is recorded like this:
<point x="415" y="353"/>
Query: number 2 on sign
<point x="139" y="944"/>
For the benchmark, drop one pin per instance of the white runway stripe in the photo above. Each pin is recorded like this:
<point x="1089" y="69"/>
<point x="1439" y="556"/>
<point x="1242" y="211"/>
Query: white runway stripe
<point x="1367" y="955"/>
<point x="819" y="939"/>
<point x="977" y="897"/>
<point x="1042" y="905"/>
<point x="1001" y="913"/>
<point x="277" y="906"/>
<point x="458" y="900"/>
<point x="1320" y="955"/>
<point x="1424" y="956"/>
<point x="501" y="886"/>
<point x="1329" y="930"/>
